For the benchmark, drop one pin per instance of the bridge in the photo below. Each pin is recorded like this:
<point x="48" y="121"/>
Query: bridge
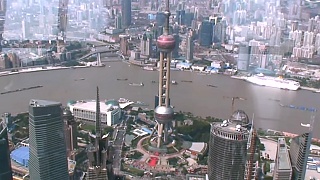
<point x="98" y="50"/>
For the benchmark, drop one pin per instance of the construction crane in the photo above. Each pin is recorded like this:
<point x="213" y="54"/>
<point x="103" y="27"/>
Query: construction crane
<point x="62" y="25"/>
<point x="233" y="101"/>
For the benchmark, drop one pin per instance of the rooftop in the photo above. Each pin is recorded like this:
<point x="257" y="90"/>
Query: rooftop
<point x="71" y="166"/>
<point x="42" y="103"/>
<point x="231" y="126"/>
<point x="90" y="105"/>
<point x="195" y="177"/>
<point x="199" y="147"/>
<point x="22" y="152"/>
<point x="283" y="155"/>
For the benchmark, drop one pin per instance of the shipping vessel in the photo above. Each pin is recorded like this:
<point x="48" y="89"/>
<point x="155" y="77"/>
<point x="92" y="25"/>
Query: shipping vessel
<point x="275" y="82"/>
<point x="136" y="84"/>
<point x="148" y="68"/>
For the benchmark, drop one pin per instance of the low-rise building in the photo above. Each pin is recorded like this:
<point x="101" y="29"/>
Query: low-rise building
<point x="196" y="149"/>
<point x="110" y="111"/>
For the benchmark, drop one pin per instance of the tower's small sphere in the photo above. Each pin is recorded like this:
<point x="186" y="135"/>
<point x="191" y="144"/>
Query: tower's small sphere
<point x="166" y="43"/>
<point x="163" y="114"/>
<point x="66" y="112"/>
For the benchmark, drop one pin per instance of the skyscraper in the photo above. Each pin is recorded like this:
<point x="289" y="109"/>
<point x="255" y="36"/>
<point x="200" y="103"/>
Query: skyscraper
<point x="282" y="167"/>
<point x="253" y="156"/>
<point x="164" y="112"/>
<point x="175" y="51"/>
<point x="143" y="44"/>
<point x="70" y="130"/>
<point x="190" y="47"/>
<point x="118" y="24"/>
<point x="299" y="152"/>
<point x="124" y="45"/>
<point x="244" y="58"/>
<point x="206" y="33"/>
<point x="5" y="168"/>
<point x="146" y="45"/>
<point x="97" y="151"/>
<point x="228" y="147"/>
<point x="3" y="10"/>
<point x="126" y="13"/>
<point x="48" y="157"/>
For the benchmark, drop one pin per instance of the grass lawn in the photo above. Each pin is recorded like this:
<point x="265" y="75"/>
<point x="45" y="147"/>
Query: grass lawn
<point x="88" y="127"/>
<point x="133" y="170"/>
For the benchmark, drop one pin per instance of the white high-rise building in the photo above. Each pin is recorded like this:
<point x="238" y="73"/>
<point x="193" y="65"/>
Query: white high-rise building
<point x="25" y="30"/>
<point x="308" y="38"/>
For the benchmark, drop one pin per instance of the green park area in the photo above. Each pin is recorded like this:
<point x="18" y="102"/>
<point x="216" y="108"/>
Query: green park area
<point x="132" y="170"/>
<point x="135" y="155"/>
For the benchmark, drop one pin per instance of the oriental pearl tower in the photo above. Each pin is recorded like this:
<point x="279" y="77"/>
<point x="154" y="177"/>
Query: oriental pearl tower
<point x="164" y="113"/>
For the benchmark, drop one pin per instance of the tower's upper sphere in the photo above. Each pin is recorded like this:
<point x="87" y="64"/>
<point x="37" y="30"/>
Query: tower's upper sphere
<point x="167" y="13"/>
<point x="163" y="114"/>
<point x="166" y="43"/>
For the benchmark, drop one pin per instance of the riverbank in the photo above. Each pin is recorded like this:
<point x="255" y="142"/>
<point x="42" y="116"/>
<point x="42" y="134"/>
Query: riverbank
<point x="38" y="69"/>
<point x="315" y="90"/>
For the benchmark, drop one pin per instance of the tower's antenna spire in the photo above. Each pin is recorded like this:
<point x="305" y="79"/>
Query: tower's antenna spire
<point x="98" y="121"/>
<point x="167" y="14"/>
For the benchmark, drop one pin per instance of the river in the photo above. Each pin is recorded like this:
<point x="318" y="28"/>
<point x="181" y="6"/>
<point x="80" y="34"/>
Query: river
<point x="195" y="97"/>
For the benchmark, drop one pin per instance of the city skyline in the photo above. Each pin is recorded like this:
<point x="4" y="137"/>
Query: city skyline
<point x="168" y="70"/>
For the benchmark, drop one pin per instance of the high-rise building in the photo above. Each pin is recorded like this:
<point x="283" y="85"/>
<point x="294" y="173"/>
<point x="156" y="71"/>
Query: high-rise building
<point x="228" y="147"/>
<point x="124" y="45"/>
<point x="160" y="18"/>
<point x="97" y="151"/>
<point x="118" y="23"/>
<point x="5" y="170"/>
<point x="3" y="10"/>
<point x="252" y="168"/>
<point x="143" y="44"/>
<point x="299" y="152"/>
<point x="25" y="30"/>
<point x="244" y="58"/>
<point x="181" y="17"/>
<point x="70" y="130"/>
<point x="206" y="33"/>
<point x="48" y="156"/>
<point x="126" y="13"/>
<point x="190" y="48"/>
<point x="175" y="52"/>
<point x="219" y="33"/>
<point x="264" y="56"/>
<point x="282" y="167"/>
<point x="164" y="112"/>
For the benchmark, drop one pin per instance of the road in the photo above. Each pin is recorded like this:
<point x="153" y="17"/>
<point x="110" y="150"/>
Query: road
<point x="117" y="144"/>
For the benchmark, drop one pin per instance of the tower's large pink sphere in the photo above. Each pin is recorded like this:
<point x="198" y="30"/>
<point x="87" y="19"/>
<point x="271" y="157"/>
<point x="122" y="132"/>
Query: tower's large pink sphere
<point x="166" y="43"/>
